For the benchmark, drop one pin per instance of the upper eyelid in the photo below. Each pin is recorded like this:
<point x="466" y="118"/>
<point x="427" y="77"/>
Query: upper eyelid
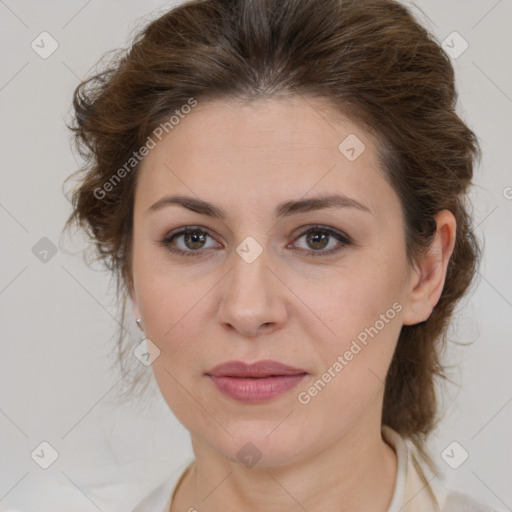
<point x="185" y="229"/>
<point x="330" y="231"/>
<point x="339" y="235"/>
<point x="192" y="227"/>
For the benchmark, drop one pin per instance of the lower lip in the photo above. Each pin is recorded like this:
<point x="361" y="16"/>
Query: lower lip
<point x="256" y="390"/>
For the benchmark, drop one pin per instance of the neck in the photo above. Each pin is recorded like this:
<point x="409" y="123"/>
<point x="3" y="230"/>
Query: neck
<point x="356" y="472"/>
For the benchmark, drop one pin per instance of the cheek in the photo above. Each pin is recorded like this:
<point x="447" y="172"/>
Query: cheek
<point x="171" y="314"/>
<point x="353" y="298"/>
<point x="357" y="357"/>
<point x="166" y="298"/>
<point x="363" y="313"/>
<point x="177" y="313"/>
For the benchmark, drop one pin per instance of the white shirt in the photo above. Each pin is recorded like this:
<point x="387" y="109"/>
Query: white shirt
<point x="416" y="488"/>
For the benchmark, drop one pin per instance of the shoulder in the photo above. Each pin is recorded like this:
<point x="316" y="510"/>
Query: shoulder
<point x="446" y="498"/>
<point x="425" y="485"/>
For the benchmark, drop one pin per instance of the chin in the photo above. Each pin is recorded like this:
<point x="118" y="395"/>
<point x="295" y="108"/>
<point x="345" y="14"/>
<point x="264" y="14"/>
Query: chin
<point x="263" y="445"/>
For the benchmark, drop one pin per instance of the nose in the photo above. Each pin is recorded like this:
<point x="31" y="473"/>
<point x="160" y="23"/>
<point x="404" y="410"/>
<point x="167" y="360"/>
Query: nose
<point x="254" y="298"/>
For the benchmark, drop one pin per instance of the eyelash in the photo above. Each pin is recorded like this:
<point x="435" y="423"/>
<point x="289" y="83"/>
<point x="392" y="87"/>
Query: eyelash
<point x="344" y="241"/>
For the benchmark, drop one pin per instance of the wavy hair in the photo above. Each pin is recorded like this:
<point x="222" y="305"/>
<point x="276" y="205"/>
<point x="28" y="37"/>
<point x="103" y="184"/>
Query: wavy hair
<point x="371" y="60"/>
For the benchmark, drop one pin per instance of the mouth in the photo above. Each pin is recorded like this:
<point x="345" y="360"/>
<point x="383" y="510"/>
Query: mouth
<point x="256" y="382"/>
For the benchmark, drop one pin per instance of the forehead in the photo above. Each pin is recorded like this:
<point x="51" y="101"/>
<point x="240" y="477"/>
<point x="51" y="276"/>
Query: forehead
<point x="275" y="125"/>
<point x="283" y="147"/>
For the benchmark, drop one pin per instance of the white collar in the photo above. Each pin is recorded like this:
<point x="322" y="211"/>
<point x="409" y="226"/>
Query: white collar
<point x="416" y="487"/>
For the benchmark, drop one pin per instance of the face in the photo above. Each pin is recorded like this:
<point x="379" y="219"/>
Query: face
<point x="322" y="290"/>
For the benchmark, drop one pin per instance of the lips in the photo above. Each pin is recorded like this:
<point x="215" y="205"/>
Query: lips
<point x="257" y="382"/>
<point x="255" y="370"/>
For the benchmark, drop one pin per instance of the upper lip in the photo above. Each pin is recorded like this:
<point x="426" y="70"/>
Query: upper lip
<point x="258" y="369"/>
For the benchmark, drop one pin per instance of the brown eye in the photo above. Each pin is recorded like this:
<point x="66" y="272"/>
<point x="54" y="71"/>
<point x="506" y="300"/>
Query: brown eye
<point x="194" y="239"/>
<point x="189" y="241"/>
<point x="319" y="239"/>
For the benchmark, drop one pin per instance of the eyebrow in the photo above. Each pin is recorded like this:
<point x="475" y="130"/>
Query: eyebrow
<point x="282" y="210"/>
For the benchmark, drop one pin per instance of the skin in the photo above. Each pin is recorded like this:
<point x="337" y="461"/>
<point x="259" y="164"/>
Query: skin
<point x="287" y="305"/>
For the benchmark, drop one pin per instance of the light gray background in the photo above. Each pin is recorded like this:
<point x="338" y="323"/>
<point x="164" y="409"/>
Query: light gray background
<point x="57" y="317"/>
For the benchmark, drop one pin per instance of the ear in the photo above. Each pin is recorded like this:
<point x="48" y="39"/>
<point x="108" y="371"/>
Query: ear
<point x="428" y="277"/>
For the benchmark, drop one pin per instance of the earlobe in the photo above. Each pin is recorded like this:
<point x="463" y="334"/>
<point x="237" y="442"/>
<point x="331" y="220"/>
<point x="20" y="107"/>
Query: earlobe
<point x="428" y="276"/>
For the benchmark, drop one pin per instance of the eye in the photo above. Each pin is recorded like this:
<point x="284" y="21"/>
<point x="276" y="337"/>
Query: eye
<point x="319" y="238"/>
<point x="192" y="240"/>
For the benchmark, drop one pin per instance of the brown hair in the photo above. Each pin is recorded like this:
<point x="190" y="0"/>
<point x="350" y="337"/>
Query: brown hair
<point x="371" y="60"/>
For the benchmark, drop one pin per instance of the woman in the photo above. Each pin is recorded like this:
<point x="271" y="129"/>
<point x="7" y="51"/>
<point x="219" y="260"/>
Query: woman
<point x="279" y="187"/>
